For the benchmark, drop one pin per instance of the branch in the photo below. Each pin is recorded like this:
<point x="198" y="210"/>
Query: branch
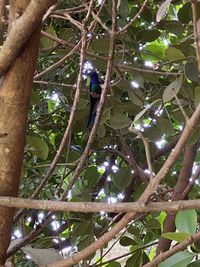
<point x="196" y="30"/>
<point x="180" y="247"/>
<point x="50" y="205"/>
<point x="100" y="106"/>
<point x="21" y="31"/>
<point x="124" y="29"/>
<point x="179" y="194"/>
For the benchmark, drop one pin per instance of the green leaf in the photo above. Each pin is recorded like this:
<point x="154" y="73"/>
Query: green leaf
<point x="122" y="177"/>
<point x="101" y="45"/>
<point x="165" y="126"/>
<point x="172" y="53"/>
<point x="194" y="264"/>
<point x="119" y="121"/>
<point x="147" y="35"/>
<point x="186" y="221"/>
<point x="197" y="96"/>
<point x="191" y="71"/>
<point x="127" y="241"/>
<point x="194" y="137"/>
<point x="184" y="13"/>
<point x="153" y="51"/>
<point x="134" y="260"/>
<point x="179" y="237"/>
<point x="40" y="147"/>
<point x="113" y="264"/>
<point x="91" y="175"/>
<point x="47" y="42"/>
<point x="174" y="27"/>
<point x="141" y="113"/>
<point x="101" y="131"/>
<point x="153" y="224"/>
<point x="162" y="10"/>
<point x="172" y="89"/>
<point x="180" y="259"/>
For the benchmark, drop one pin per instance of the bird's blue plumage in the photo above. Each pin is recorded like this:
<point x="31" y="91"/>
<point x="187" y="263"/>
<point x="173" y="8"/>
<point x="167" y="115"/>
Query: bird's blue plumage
<point x="95" y="87"/>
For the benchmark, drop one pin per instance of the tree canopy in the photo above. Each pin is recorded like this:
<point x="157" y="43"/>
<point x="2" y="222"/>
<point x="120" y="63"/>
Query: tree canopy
<point x="143" y="147"/>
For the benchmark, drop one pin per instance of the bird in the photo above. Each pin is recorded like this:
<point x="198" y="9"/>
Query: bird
<point x="95" y="87"/>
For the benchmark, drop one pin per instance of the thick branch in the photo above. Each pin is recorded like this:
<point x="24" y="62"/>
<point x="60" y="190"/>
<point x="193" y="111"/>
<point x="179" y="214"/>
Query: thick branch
<point x="21" y="31"/>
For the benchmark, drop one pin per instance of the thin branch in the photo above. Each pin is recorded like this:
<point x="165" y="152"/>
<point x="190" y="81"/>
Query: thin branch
<point x="180" y="247"/>
<point x="58" y="63"/>
<point x="124" y="29"/>
<point x="117" y="66"/>
<point x="132" y="161"/>
<point x="126" y="254"/>
<point x="181" y="107"/>
<point x="100" y="106"/>
<point x="147" y="149"/>
<point x="196" y="30"/>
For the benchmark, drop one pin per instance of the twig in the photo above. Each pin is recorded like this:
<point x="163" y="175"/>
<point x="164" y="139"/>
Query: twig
<point x="132" y="161"/>
<point x="181" y="108"/>
<point x="58" y="63"/>
<point x="147" y="149"/>
<point x="196" y="30"/>
<point x="123" y="30"/>
<point x="126" y="254"/>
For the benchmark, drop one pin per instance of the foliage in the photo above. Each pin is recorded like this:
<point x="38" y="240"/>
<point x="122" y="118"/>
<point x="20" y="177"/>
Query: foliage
<point x="156" y="59"/>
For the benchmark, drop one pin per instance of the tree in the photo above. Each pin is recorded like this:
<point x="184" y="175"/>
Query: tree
<point x="142" y="151"/>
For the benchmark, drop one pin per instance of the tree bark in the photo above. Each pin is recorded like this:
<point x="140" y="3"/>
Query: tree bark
<point x="183" y="181"/>
<point x="2" y="17"/>
<point x="15" y="93"/>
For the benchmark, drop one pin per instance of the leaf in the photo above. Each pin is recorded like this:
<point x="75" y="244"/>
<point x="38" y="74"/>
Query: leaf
<point x="40" y="147"/>
<point x="184" y="13"/>
<point x="119" y="121"/>
<point x="42" y="256"/>
<point x="191" y="71"/>
<point x="127" y="241"/>
<point x="101" y="45"/>
<point x="162" y="10"/>
<point x="179" y="237"/>
<point x="46" y="42"/>
<point x="153" y="224"/>
<point x="113" y="264"/>
<point x="172" y="53"/>
<point x="91" y="175"/>
<point x="101" y="131"/>
<point x="194" y="264"/>
<point x="194" y="137"/>
<point x="197" y="96"/>
<point x="147" y="35"/>
<point x="174" y="27"/>
<point x="172" y="89"/>
<point x="141" y="113"/>
<point x="122" y="177"/>
<point x="153" y="51"/>
<point x="186" y="221"/>
<point x="180" y="259"/>
<point x="134" y="260"/>
<point x="166" y="126"/>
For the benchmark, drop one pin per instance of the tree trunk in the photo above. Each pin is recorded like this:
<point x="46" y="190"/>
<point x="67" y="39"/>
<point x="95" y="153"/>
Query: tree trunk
<point x="15" y="93"/>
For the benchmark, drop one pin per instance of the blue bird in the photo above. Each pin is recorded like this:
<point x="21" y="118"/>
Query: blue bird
<point x="95" y="87"/>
